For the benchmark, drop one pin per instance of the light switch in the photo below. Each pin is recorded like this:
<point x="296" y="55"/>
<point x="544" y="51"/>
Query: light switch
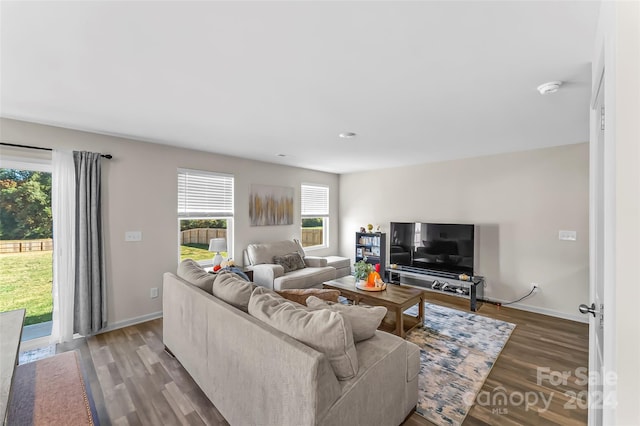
<point x="133" y="236"/>
<point x="567" y="235"/>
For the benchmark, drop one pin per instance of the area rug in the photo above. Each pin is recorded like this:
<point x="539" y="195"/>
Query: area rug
<point x="51" y="391"/>
<point x="457" y="351"/>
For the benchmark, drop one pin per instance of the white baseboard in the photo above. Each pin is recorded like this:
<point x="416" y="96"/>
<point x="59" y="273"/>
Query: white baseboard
<point x="28" y="345"/>
<point x="536" y="310"/>
<point x="132" y="321"/>
<point x="544" y="311"/>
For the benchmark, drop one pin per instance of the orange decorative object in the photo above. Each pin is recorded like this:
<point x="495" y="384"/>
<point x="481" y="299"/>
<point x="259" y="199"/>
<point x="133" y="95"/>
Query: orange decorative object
<point x="371" y="279"/>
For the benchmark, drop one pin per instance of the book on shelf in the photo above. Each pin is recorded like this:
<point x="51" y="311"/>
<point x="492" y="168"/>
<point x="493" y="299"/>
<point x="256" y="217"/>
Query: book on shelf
<point x="369" y="241"/>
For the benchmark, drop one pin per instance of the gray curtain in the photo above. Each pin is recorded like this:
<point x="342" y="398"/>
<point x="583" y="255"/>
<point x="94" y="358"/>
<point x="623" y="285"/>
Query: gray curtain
<point x="90" y="312"/>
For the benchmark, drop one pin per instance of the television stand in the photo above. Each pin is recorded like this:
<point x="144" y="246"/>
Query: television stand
<point x="441" y="282"/>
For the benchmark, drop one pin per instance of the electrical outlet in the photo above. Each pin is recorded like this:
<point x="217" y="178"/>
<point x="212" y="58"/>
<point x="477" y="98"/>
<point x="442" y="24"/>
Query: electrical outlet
<point x="567" y="235"/>
<point x="535" y="287"/>
<point x="131" y="236"/>
<point x="154" y="292"/>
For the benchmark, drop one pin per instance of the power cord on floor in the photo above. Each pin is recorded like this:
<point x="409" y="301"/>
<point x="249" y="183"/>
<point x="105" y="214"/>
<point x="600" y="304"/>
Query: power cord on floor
<point x="498" y="304"/>
<point x="522" y="298"/>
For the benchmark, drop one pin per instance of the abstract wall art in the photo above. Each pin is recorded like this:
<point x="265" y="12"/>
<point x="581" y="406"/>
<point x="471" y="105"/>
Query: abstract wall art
<point x="270" y="205"/>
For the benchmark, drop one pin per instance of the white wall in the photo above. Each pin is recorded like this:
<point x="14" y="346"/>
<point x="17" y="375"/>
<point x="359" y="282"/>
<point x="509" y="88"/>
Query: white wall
<point x="518" y="201"/>
<point x="618" y="38"/>
<point x="140" y="194"/>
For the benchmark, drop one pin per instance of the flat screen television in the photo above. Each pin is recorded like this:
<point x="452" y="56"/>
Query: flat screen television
<point x="438" y="247"/>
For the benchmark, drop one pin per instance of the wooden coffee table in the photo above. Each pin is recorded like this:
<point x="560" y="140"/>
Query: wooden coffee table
<point x="396" y="298"/>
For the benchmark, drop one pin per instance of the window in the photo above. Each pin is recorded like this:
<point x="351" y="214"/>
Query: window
<point x="315" y="216"/>
<point x="205" y="211"/>
<point x="26" y="232"/>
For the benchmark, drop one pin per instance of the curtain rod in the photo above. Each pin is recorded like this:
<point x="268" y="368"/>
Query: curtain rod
<point x="107" y="156"/>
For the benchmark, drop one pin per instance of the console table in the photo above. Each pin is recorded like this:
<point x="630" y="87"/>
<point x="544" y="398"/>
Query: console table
<point x="472" y="289"/>
<point x="10" y="336"/>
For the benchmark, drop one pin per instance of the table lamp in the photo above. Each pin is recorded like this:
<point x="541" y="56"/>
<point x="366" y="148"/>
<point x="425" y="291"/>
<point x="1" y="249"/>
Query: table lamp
<point x="217" y="245"/>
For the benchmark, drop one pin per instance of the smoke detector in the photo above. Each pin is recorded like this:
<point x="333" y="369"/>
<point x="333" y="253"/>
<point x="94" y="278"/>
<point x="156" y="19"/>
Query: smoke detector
<point x="550" y="87"/>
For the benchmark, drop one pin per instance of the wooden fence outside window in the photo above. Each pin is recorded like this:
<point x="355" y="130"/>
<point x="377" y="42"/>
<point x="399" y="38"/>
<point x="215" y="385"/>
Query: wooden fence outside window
<point x="201" y="235"/>
<point x="309" y="237"/>
<point x="23" y="246"/>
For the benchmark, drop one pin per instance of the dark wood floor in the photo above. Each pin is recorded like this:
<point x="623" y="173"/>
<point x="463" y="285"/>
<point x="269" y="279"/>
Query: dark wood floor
<point x="134" y="382"/>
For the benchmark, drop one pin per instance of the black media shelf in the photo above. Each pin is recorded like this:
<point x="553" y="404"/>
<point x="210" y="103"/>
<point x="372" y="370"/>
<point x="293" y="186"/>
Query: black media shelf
<point x="373" y="247"/>
<point x="442" y="282"/>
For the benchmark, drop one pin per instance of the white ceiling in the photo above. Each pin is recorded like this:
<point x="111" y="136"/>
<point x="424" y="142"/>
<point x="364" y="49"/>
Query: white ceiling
<point x="417" y="81"/>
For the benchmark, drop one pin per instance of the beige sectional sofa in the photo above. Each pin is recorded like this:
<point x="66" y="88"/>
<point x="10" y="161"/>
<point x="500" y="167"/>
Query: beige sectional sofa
<point x="256" y="374"/>
<point x="267" y="273"/>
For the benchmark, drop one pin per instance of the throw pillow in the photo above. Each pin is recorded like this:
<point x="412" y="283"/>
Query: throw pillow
<point x="232" y="289"/>
<point x="364" y="320"/>
<point x="300" y="295"/>
<point x="290" y="262"/>
<point x="323" y="330"/>
<point x="190" y="271"/>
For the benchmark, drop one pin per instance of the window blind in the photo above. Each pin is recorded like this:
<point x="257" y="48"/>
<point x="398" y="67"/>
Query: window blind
<point x="204" y="194"/>
<point x="314" y="200"/>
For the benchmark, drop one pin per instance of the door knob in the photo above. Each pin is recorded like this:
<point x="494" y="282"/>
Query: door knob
<point x="584" y="309"/>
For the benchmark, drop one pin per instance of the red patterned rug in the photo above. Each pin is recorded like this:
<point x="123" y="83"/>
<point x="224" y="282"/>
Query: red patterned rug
<point x="51" y="391"/>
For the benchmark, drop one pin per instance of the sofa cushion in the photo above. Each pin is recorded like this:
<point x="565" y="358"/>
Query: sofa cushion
<point x="315" y="261"/>
<point x="338" y="262"/>
<point x="373" y="357"/>
<point x="304" y="278"/>
<point x="190" y="271"/>
<point x="364" y="320"/>
<point x="264" y="252"/>
<point x="232" y="289"/>
<point x="324" y="330"/>
<point x="290" y="262"/>
<point x="300" y="295"/>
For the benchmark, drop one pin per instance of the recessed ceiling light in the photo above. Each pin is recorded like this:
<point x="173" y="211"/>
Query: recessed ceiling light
<point x="281" y="155"/>
<point x="347" y="135"/>
<point x="550" y="87"/>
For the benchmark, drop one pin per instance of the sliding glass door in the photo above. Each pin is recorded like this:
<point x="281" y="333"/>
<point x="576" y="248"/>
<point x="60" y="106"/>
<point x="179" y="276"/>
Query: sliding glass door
<point x="26" y="244"/>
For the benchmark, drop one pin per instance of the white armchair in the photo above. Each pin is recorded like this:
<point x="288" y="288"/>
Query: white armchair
<point x="289" y="272"/>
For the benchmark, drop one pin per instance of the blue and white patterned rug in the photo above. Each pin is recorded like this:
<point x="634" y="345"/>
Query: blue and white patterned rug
<point x="458" y="350"/>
